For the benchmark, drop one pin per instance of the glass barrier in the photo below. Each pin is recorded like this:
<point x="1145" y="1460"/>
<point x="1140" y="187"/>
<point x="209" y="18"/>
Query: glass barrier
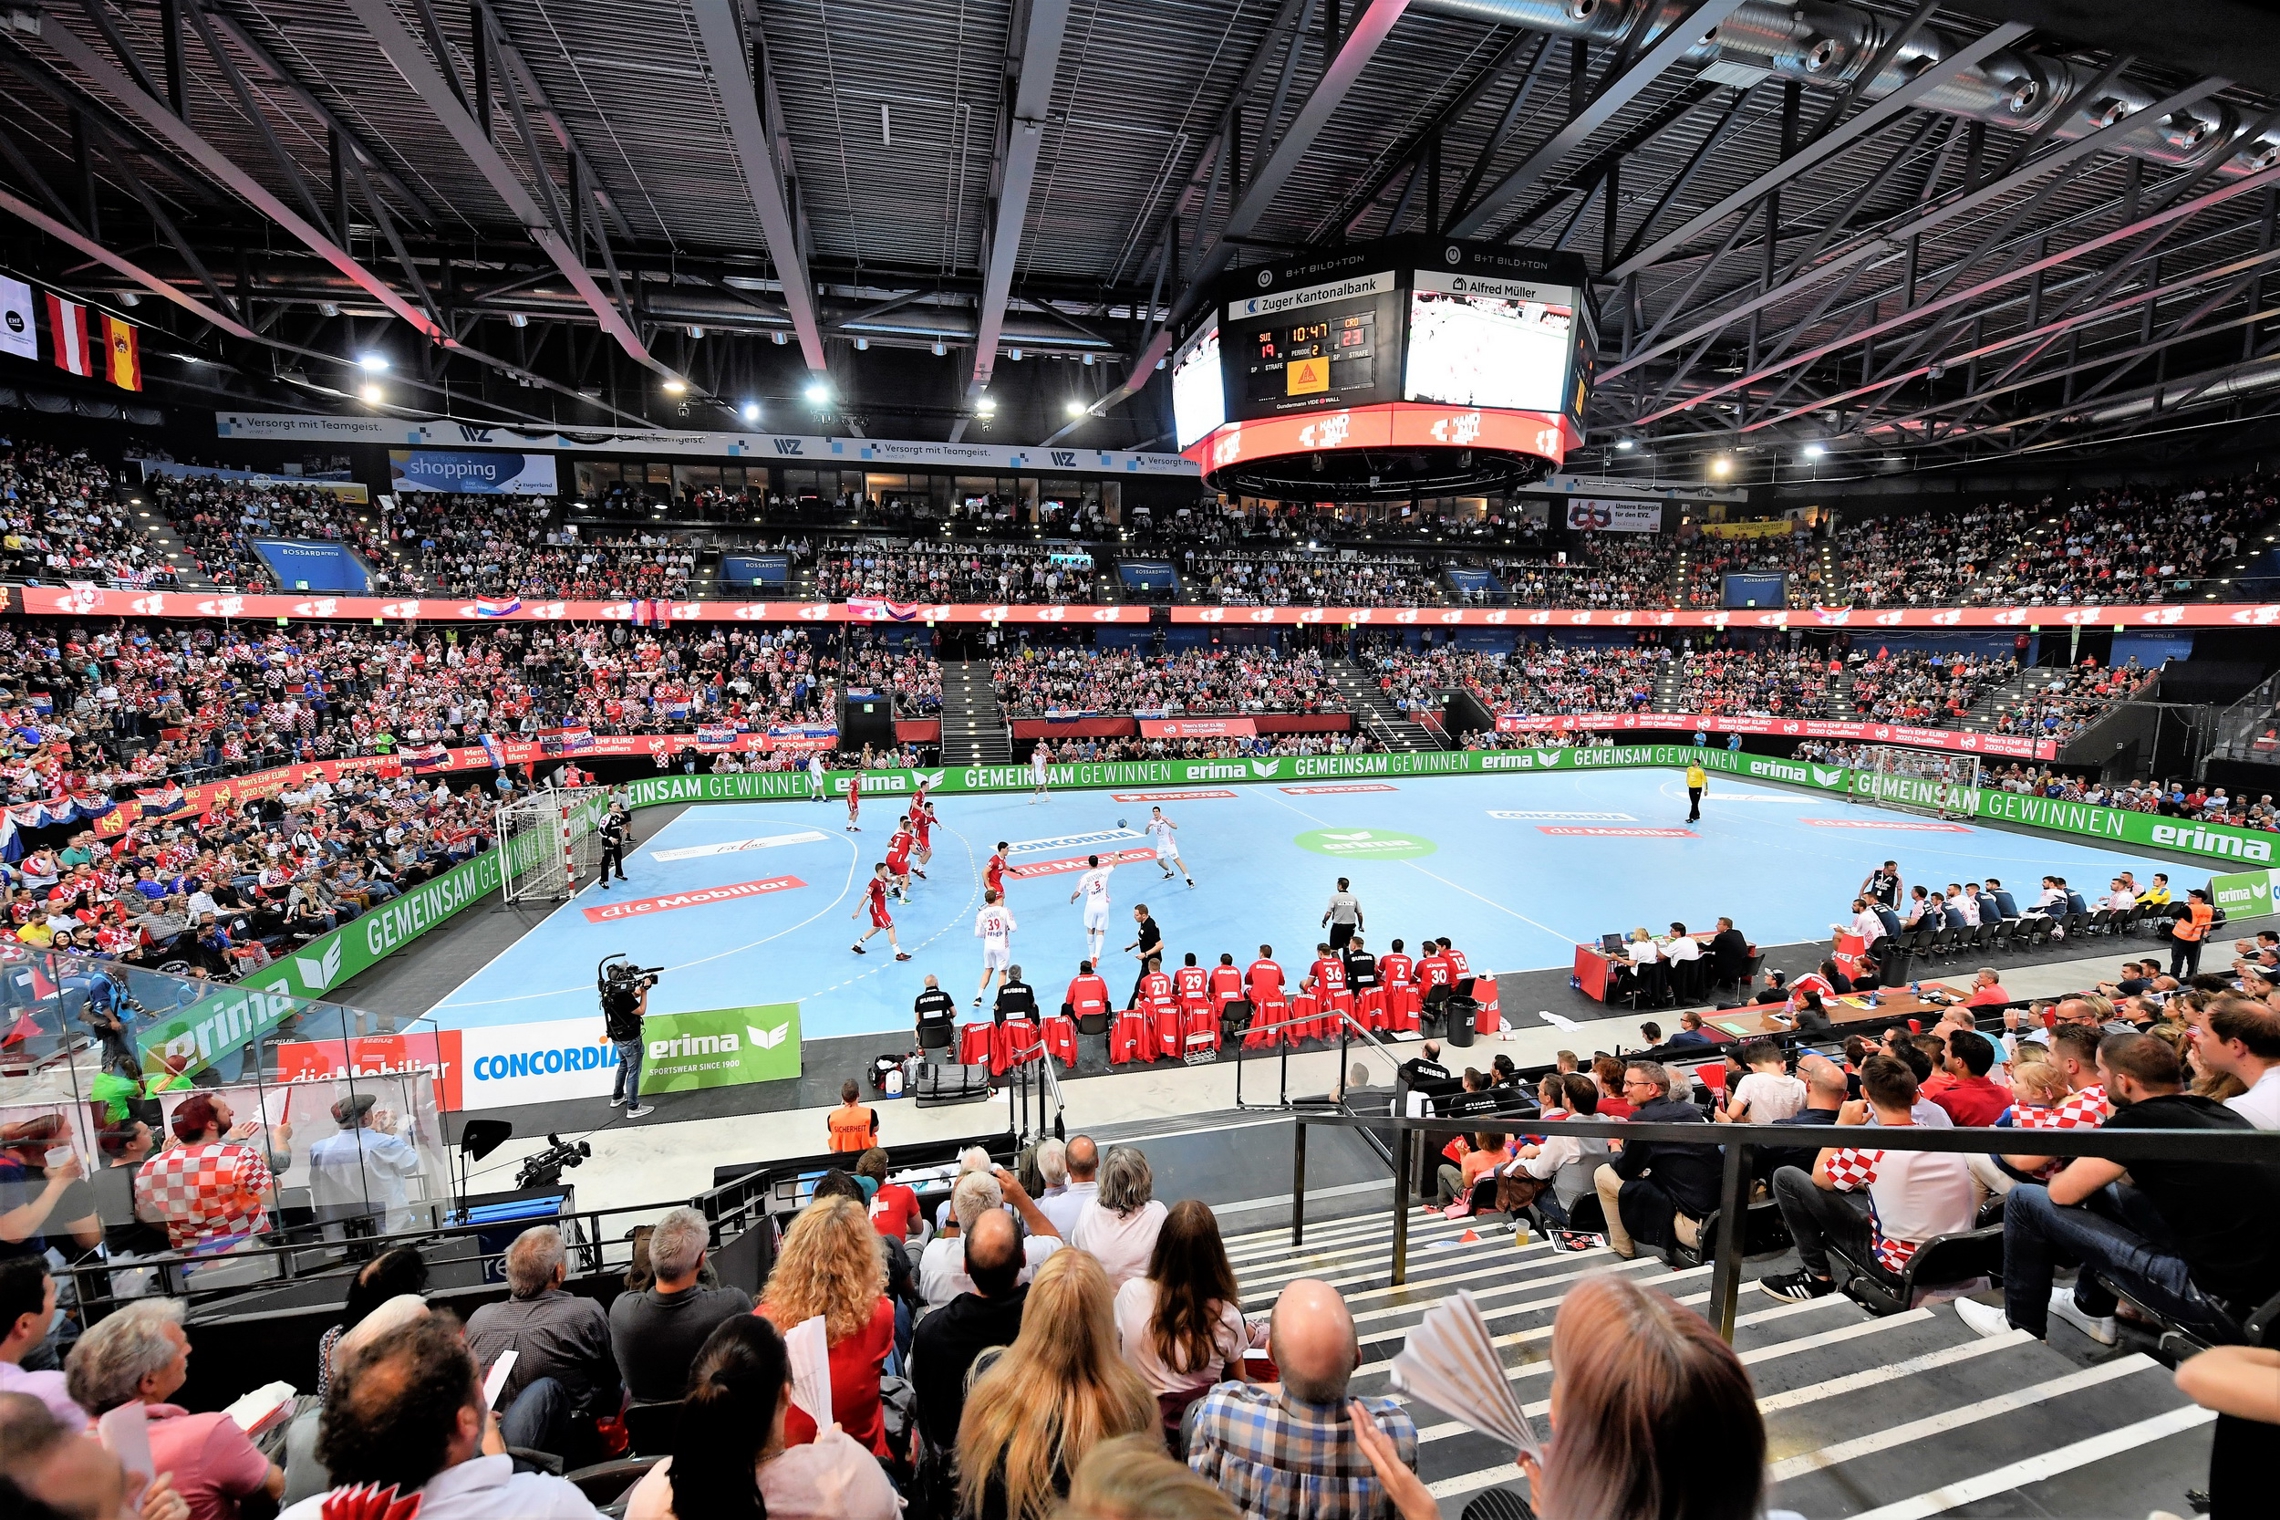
<point x="144" y="1114"/>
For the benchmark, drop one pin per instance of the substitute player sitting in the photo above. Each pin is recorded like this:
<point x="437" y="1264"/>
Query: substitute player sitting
<point x="1161" y="829"/>
<point x="1092" y="887"/>
<point x="994" y="927"/>
<point x="880" y="917"/>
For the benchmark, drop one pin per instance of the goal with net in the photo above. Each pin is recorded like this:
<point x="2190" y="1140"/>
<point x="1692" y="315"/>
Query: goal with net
<point x="1923" y="781"/>
<point x="547" y="841"/>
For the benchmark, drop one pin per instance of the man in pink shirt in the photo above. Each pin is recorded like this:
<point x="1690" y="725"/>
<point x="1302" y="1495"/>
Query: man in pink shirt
<point x="27" y="1310"/>
<point x="139" y="1354"/>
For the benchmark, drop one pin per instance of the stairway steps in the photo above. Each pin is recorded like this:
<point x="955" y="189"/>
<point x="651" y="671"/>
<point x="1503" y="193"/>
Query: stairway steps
<point x="973" y="726"/>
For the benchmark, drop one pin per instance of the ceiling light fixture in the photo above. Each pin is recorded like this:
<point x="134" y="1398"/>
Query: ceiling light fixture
<point x="939" y="349"/>
<point x="373" y="395"/>
<point x="372" y="364"/>
<point x="818" y="392"/>
<point x="517" y="319"/>
<point x="676" y="387"/>
<point x="1075" y="408"/>
<point x="751" y="411"/>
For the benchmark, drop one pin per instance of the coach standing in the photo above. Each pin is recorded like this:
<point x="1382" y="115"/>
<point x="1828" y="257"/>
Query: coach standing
<point x="1697" y="782"/>
<point x="1344" y="915"/>
<point x="612" y="833"/>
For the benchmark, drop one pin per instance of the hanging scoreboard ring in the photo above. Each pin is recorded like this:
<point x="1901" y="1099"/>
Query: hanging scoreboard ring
<point x="1409" y="366"/>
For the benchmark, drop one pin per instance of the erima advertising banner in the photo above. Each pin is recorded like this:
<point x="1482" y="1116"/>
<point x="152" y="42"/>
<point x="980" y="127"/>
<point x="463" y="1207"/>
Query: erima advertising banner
<point x="2244" y="892"/>
<point x="471" y="472"/>
<point x="720" y="1047"/>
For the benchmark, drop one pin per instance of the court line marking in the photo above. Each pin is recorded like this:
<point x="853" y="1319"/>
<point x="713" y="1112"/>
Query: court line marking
<point x="1964" y="1414"/>
<point x="523" y="997"/>
<point x="1444" y="881"/>
<point x="2044" y="1465"/>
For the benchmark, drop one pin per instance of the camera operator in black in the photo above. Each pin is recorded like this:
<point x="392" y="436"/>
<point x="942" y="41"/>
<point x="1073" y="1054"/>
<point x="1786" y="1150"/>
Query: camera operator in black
<point x="1015" y="999"/>
<point x="612" y="834"/>
<point x="625" y="1003"/>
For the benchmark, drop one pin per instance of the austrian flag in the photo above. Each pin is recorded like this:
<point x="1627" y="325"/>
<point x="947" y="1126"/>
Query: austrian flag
<point x="67" y="328"/>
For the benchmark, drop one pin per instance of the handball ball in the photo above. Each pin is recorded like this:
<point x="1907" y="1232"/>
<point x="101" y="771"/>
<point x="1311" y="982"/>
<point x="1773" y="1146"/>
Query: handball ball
<point x="1120" y="823"/>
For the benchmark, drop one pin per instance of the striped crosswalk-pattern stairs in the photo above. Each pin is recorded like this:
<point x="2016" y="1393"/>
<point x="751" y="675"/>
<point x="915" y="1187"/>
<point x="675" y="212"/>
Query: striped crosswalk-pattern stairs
<point x="1897" y="1417"/>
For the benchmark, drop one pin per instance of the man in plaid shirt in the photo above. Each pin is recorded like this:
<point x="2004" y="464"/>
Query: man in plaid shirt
<point x="1911" y="1195"/>
<point x="210" y="1190"/>
<point x="1290" y="1452"/>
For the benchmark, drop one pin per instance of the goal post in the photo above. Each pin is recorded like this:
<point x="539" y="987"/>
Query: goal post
<point x="547" y="841"/>
<point x="1931" y="782"/>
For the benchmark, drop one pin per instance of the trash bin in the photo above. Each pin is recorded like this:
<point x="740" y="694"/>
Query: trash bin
<point x="1460" y="1012"/>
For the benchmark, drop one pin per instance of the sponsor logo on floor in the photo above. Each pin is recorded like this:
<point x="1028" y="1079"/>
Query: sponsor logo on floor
<point x="1195" y="796"/>
<point x="1365" y="844"/>
<point x="1071" y="841"/>
<point x="642" y="907"/>
<point x="1538" y="816"/>
<point x="737" y="846"/>
<point x="1620" y="833"/>
<point x="1884" y="823"/>
<point x="1078" y="863"/>
<point x="1351" y="786"/>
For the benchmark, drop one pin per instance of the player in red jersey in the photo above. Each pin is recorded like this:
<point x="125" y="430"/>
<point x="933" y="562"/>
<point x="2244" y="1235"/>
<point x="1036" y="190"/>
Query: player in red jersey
<point x="1459" y="969"/>
<point x="1087" y="994"/>
<point x="993" y="874"/>
<point x="854" y="802"/>
<point x="876" y="900"/>
<point x="898" y="859"/>
<point x="1399" y="971"/>
<point x="922" y="824"/>
<point x="1193" y="984"/>
<point x="1263" y="980"/>
<point x="1226" y="983"/>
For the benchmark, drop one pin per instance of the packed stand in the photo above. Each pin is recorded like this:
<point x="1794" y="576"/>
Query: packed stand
<point x="949" y="573"/>
<point x="1613" y="570"/>
<point x="1925" y="688"/>
<point x="1246" y="679"/>
<point x="1294" y="577"/>
<point x="1536" y="678"/>
<point x="1797" y="555"/>
<point x="2060" y="702"/>
<point x="2139" y="544"/>
<point x="218" y="520"/>
<point x="66" y="523"/>
<point x="1928" y="559"/>
<point x="1780" y="683"/>
<point x="1073" y="751"/>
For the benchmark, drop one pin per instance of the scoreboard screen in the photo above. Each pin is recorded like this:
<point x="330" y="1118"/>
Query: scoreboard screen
<point x="1319" y="347"/>
<point x="1488" y="342"/>
<point x="1199" y="399"/>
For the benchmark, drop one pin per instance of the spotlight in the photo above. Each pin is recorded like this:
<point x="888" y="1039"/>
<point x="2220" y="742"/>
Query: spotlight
<point x="1014" y="354"/>
<point x="1814" y="451"/>
<point x="372" y="364"/>
<point x="517" y="319"/>
<point x="751" y="411"/>
<point x="1721" y="466"/>
<point x="676" y="387"/>
<point x="940" y="350"/>
<point x="327" y="309"/>
<point x="1088" y="361"/>
<point x="373" y="395"/>
<point x="987" y="406"/>
<point x="1625" y="444"/>
<point x="818" y="393"/>
<point x="696" y="332"/>
<point x="862" y="345"/>
<point x="781" y="340"/>
<point x="130" y="298"/>
<point x="1075" y="408"/>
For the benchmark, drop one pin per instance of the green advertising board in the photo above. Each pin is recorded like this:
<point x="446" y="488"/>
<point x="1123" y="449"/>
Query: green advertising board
<point x="2241" y="893"/>
<point x="721" y="1047"/>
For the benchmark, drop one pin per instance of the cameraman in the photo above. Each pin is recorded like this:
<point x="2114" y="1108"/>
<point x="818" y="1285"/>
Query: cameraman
<point x="611" y="831"/>
<point x="625" y="1003"/>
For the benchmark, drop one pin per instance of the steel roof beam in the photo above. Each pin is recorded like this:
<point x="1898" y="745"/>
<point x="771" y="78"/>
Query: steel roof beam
<point x="112" y="82"/>
<point x="1825" y="145"/>
<point x="1889" y="243"/>
<point x="1360" y="44"/>
<point x="1616" y="91"/>
<point x="1023" y="139"/>
<point x="720" y="33"/>
<point x="446" y="102"/>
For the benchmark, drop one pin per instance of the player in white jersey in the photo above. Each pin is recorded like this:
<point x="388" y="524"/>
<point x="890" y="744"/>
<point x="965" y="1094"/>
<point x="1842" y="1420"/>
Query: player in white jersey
<point x="1038" y="760"/>
<point x="1093" y="888"/>
<point x="817" y="788"/>
<point x="1160" y="829"/>
<point x="994" y="927"/>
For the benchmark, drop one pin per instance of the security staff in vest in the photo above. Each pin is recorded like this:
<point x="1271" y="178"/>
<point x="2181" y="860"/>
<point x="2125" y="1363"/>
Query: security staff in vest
<point x="612" y="834"/>
<point x="624" y="992"/>
<point x="1697" y="782"/>
<point x="1015" y="1000"/>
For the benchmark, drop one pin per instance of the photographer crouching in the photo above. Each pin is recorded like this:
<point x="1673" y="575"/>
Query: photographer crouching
<point x="624" y="991"/>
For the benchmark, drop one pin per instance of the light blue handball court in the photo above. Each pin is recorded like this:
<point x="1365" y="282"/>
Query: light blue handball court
<point x="1515" y="870"/>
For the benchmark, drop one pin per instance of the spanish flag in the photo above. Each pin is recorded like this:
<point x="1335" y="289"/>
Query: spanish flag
<point x="124" y="355"/>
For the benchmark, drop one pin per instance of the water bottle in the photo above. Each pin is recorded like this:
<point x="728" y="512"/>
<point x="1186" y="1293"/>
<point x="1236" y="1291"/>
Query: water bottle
<point x="1915" y="989"/>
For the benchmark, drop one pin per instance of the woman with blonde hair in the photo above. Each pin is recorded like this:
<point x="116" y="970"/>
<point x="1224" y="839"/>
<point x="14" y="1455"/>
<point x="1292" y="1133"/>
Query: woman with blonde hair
<point x="1653" y="1418"/>
<point x="1130" y="1478"/>
<point x="831" y="1266"/>
<point x="1040" y="1406"/>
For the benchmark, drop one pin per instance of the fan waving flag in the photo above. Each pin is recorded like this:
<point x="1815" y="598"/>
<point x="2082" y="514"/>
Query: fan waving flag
<point x="67" y="328"/>
<point x="716" y="736"/>
<point x="487" y="607"/>
<point x="880" y="610"/>
<point x="426" y="757"/>
<point x="494" y="753"/>
<point x="123" y="353"/>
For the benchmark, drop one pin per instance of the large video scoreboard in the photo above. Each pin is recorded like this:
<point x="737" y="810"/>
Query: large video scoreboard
<point x="1406" y="347"/>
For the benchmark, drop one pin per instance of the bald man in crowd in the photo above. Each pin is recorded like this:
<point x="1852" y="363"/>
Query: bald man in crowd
<point x="1244" y="1436"/>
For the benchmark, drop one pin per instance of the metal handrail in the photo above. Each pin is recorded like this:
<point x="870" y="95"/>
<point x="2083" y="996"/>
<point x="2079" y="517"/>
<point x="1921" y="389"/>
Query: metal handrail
<point x="1726" y="1275"/>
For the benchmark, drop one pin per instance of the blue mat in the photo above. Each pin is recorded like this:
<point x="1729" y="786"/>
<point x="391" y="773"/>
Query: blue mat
<point x="1516" y="870"/>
